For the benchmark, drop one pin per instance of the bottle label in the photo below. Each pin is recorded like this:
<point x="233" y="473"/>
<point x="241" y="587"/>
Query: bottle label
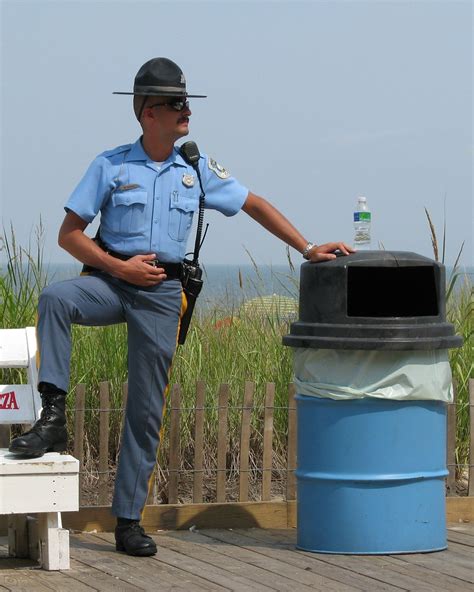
<point x="362" y="216"/>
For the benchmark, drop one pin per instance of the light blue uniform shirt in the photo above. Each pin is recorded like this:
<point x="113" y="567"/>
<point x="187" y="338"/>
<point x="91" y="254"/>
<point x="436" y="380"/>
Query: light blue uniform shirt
<point x="149" y="209"/>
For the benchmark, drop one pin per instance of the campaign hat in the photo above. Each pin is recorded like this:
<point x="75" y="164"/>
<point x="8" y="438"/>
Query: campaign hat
<point x="160" y="77"/>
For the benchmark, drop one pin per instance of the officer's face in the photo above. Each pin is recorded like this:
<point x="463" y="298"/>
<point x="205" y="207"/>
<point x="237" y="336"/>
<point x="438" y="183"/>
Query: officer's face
<point x="169" y="116"/>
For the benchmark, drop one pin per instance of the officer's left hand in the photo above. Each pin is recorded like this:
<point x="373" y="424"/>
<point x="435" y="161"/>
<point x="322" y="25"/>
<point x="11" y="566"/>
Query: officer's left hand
<point x="140" y="271"/>
<point x="325" y="252"/>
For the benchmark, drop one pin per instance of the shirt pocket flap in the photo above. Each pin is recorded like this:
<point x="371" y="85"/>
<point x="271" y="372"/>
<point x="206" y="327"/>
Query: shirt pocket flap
<point x="128" y="198"/>
<point x="186" y="204"/>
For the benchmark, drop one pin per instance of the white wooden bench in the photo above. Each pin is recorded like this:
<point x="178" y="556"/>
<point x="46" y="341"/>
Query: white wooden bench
<point x="33" y="491"/>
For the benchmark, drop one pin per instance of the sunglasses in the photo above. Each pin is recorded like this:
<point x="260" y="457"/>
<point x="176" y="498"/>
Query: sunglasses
<point x="177" y="105"/>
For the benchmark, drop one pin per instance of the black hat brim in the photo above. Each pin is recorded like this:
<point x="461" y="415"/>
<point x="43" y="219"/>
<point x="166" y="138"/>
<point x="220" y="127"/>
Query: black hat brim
<point x="161" y="94"/>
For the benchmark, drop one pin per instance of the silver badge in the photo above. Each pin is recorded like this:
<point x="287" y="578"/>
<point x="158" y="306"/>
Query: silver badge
<point x="188" y="180"/>
<point x="220" y="171"/>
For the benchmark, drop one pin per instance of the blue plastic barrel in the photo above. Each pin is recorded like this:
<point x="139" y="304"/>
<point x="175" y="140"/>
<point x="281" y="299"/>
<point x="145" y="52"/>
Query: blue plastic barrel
<point x="371" y="475"/>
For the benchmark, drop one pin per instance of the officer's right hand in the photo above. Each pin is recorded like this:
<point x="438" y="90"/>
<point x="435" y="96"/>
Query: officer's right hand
<point x="139" y="270"/>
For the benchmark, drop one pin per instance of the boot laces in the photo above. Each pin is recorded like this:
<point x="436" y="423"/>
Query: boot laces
<point x="47" y="413"/>
<point x="135" y="526"/>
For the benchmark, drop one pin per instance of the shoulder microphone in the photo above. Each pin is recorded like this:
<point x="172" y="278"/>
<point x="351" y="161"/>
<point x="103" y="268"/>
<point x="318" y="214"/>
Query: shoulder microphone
<point x="190" y="152"/>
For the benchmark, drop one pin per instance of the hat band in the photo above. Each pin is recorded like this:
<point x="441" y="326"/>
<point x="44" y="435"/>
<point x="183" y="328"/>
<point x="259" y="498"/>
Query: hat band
<point x="158" y="89"/>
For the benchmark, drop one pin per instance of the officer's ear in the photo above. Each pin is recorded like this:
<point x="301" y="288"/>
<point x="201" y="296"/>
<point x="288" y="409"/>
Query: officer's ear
<point x="140" y="103"/>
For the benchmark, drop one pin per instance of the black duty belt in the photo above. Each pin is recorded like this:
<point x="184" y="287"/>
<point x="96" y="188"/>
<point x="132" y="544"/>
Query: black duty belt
<point x="174" y="271"/>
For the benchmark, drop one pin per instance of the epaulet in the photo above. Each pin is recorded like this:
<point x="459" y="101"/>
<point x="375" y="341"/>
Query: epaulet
<point x="117" y="150"/>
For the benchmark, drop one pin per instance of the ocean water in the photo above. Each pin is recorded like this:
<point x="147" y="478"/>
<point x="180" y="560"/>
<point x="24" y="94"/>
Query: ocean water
<point x="225" y="286"/>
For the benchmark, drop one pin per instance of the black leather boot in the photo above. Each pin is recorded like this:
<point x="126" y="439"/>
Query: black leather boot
<point x="132" y="539"/>
<point x="49" y="433"/>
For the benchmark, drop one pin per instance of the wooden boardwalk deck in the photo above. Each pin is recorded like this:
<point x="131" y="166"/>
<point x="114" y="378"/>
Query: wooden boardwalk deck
<point x="243" y="560"/>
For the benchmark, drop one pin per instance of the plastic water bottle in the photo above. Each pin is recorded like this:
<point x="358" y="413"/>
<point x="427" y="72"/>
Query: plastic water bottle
<point x="362" y="219"/>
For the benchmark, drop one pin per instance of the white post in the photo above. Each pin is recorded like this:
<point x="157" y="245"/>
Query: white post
<point x="54" y="542"/>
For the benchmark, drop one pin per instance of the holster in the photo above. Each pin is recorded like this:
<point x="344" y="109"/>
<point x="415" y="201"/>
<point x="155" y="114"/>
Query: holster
<point x="192" y="286"/>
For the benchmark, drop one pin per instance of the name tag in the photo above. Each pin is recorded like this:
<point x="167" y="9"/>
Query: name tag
<point x="127" y="187"/>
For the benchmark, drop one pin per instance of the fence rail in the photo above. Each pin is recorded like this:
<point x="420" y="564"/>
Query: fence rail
<point x="237" y="465"/>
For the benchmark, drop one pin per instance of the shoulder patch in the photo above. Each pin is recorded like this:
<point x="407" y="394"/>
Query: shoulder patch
<point x="219" y="170"/>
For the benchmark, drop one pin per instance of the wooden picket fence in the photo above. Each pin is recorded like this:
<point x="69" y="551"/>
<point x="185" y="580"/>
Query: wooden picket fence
<point x="171" y="471"/>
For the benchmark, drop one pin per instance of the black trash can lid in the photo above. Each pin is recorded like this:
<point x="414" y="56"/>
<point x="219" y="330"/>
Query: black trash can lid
<point x="373" y="300"/>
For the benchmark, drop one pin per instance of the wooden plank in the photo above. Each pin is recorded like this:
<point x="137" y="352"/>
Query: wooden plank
<point x="58" y="581"/>
<point x="99" y="553"/>
<point x="414" y="577"/>
<point x="3" y="525"/>
<point x="461" y="549"/>
<point x="380" y="571"/>
<point x="199" y="442"/>
<point x="451" y="446"/>
<point x="96" y="579"/>
<point x="168" y="574"/>
<point x="175" y="450"/>
<point x="470" y="490"/>
<point x="433" y="561"/>
<point x="291" y="514"/>
<point x="19" y="581"/>
<point x="18" y="535"/>
<point x="220" y="554"/>
<point x="435" y="580"/>
<point x="190" y="545"/>
<point x="260" y="573"/>
<point x="462" y="556"/>
<point x="267" y="442"/>
<point x="223" y="402"/>
<point x="258" y="553"/>
<point x="216" y="578"/>
<point x="249" y="391"/>
<point x="183" y="516"/>
<point x="375" y="568"/>
<point x="4" y="436"/>
<point x="462" y="533"/>
<point x="466" y="528"/>
<point x="79" y="413"/>
<point x="444" y="563"/>
<point x="459" y="509"/>
<point x="281" y="543"/>
<point x="291" y="461"/>
<point x="124" y="400"/>
<point x="104" y="415"/>
<point x="462" y="538"/>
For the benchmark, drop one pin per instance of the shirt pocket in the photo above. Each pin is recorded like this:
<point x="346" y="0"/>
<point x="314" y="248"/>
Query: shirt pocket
<point x="182" y="208"/>
<point x="128" y="211"/>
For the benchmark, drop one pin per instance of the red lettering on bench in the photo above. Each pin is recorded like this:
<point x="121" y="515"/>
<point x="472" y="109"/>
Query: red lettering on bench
<point x="8" y="401"/>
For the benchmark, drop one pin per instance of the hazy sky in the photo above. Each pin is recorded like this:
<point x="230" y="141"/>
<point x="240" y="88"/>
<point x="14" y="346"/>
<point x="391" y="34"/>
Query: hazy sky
<point x="310" y="104"/>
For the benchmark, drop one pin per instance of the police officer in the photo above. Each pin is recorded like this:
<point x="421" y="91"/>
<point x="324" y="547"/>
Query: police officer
<point x="146" y="194"/>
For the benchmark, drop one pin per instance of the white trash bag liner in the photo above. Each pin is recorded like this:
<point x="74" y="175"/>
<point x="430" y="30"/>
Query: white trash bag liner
<point x="356" y="374"/>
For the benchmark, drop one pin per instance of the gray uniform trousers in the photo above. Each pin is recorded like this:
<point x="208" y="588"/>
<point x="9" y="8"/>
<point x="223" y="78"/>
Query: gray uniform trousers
<point x="152" y="316"/>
